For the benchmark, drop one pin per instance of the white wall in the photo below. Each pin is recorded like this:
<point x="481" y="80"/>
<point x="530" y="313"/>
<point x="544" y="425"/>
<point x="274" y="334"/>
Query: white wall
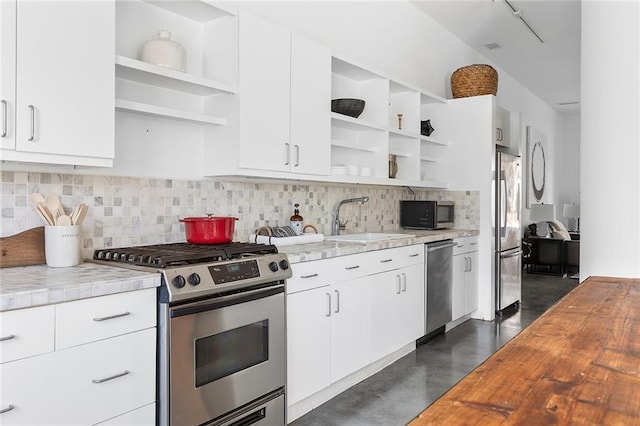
<point x="568" y="167"/>
<point x="610" y="150"/>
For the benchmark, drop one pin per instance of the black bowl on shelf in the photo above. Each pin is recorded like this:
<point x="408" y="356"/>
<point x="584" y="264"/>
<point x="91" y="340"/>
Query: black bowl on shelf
<point x="347" y="106"/>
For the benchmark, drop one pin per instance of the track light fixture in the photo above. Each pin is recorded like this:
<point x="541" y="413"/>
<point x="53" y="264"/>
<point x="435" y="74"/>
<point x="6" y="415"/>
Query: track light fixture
<point x="518" y="13"/>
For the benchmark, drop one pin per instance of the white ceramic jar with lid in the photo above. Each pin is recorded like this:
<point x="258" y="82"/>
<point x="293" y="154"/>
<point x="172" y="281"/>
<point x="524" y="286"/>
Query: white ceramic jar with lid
<point x="164" y="52"/>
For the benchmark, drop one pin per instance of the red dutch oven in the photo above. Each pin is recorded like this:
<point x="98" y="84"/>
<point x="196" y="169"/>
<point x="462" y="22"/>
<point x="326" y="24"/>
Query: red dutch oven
<point x="209" y="230"/>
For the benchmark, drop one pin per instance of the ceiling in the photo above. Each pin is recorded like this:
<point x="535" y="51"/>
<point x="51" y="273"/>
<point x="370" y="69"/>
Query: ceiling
<point x="551" y="70"/>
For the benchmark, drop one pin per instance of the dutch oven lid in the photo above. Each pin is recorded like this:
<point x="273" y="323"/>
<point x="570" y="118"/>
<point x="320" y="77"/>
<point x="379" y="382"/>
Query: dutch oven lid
<point x="209" y="218"/>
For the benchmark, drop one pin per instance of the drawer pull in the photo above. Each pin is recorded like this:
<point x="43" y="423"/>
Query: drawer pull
<point x="106" y="379"/>
<point x="9" y="337"/>
<point x="9" y="408"/>
<point x="386" y="260"/>
<point x="124" y="314"/>
<point x="414" y="255"/>
<point x="349" y="268"/>
<point x="309" y="276"/>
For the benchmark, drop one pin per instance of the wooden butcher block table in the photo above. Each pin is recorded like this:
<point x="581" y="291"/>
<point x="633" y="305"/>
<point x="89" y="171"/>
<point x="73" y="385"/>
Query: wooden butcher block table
<point x="579" y="363"/>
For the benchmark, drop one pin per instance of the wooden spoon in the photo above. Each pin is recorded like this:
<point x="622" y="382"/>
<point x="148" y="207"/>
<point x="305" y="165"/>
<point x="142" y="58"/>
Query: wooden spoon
<point x="34" y="199"/>
<point x="53" y="204"/>
<point x="81" y="214"/>
<point x="44" y="211"/>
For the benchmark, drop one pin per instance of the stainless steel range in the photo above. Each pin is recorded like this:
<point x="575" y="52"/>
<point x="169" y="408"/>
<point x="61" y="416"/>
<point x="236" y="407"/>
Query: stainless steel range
<point x="221" y="330"/>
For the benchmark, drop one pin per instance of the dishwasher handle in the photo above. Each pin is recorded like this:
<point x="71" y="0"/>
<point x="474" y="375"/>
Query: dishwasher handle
<point x="434" y="247"/>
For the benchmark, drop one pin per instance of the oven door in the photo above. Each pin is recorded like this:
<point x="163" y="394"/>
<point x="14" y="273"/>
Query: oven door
<point x="225" y="353"/>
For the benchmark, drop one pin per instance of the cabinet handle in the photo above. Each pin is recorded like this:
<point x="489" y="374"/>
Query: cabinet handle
<point x="9" y="337"/>
<point x="32" y="111"/>
<point x="349" y="268"/>
<point x="398" y="285"/>
<point x="4" y="118"/>
<point x="287" y="154"/>
<point x="9" y="408"/>
<point x="124" y="314"/>
<point x="386" y="260"/>
<point x="414" y="255"/>
<point x="309" y="276"/>
<point x="337" y="301"/>
<point x="329" y="305"/>
<point x="297" y="155"/>
<point x="106" y="379"/>
<point x="470" y="265"/>
<point x="404" y="282"/>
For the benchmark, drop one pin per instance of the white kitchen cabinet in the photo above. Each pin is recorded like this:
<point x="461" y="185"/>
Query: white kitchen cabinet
<point x="349" y="327"/>
<point x="327" y="324"/>
<point x="284" y="83"/>
<point x="502" y="127"/>
<point x="465" y="277"/>
<point x="397" y="307"/>
<point x="308" y="343"/>
<point x="8" y="74"/>
<point x="343" y="314"/>
<point x="69" y="385"/>
<point x="60" y="108"/>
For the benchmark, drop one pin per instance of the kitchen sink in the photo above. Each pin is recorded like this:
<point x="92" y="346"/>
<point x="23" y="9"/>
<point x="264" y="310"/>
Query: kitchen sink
<point x="366" y="237"/>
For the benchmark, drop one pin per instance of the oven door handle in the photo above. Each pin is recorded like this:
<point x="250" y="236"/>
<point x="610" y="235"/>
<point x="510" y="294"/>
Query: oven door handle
<point x="224" y="301"/>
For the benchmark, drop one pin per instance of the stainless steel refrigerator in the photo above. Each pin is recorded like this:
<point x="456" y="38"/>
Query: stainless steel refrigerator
<point x="508" y="248"/>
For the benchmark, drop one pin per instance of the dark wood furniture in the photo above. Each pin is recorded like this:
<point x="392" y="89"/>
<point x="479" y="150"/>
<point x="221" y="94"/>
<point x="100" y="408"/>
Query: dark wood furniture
<point x="576" y="364"/>
<point x="551" y="255"/>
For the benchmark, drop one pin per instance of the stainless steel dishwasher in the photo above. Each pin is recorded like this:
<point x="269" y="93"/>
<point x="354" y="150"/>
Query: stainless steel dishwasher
<point x="439" y="275"/>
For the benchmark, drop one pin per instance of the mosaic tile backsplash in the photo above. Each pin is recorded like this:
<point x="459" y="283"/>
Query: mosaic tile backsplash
<point x="127" y="211"/>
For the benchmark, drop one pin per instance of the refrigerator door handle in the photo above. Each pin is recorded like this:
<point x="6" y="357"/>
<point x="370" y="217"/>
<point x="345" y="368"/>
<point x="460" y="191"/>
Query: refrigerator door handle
<point x="514" y="254"/>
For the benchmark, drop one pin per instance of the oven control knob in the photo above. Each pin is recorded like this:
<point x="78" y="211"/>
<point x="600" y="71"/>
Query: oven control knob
<point x="179" y="281"/>
<point x="273" y="266"/>
<point x="284" y="264"/>
<point x="194" y="279"/>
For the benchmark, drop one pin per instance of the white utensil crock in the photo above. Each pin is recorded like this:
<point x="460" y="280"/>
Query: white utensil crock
<point x="62" y="245"/>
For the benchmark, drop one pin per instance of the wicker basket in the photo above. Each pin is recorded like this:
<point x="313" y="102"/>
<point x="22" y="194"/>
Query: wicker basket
<point x="474" y="80"/>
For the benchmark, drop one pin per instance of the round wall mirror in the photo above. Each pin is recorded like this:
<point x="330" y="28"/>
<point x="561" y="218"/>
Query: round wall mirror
<point x="538" y="172"/>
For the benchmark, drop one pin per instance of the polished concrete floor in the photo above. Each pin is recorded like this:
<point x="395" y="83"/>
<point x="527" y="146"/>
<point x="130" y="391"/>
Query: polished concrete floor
<point x="397" y="394"/>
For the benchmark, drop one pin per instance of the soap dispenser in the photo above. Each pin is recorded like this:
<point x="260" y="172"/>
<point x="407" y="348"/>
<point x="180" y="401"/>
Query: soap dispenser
<point x="296" y="220"/>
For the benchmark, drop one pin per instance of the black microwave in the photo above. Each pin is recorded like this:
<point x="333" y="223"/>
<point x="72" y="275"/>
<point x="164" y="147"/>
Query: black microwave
<point x="425" y="214"/>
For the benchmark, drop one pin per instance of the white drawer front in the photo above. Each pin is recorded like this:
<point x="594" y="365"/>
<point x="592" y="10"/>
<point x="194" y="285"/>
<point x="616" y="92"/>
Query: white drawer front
<point x="58" y="387"/>
<point x="465" y="244"/>
<point x="144" y="416"/>
<point x="98" y="318"/>
<point x="473" y="243"/>
<point x="26" y="332"/>
<point x="394" y="258"/>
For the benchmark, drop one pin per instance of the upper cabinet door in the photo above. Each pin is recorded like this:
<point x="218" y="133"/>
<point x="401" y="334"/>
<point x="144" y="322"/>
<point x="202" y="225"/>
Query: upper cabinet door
<point x="65" y="78"/>
<point x="7" y="74"/>
<point x="310" y="107"/>
<point x="264" y="79"/>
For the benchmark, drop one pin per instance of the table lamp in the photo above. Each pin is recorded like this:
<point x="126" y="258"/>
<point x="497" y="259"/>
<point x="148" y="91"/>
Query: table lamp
<point x="541" y="214"/>
<point x="572" y="212"/>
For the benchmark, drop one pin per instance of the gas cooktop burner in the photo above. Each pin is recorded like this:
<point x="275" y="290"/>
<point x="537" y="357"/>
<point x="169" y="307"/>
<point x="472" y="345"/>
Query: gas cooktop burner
<point x="178" y="254"/>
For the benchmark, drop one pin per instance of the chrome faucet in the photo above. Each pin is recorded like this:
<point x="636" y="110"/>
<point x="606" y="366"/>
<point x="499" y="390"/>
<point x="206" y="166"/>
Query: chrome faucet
<point x="337" y="225"/>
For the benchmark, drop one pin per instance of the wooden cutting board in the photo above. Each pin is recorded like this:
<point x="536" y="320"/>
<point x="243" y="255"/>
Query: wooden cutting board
<point x="23" y="249"/>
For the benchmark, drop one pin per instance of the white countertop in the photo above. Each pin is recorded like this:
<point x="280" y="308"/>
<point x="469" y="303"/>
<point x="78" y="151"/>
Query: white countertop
<point x="327" y="249"/>
<point x="23" y="287"/>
